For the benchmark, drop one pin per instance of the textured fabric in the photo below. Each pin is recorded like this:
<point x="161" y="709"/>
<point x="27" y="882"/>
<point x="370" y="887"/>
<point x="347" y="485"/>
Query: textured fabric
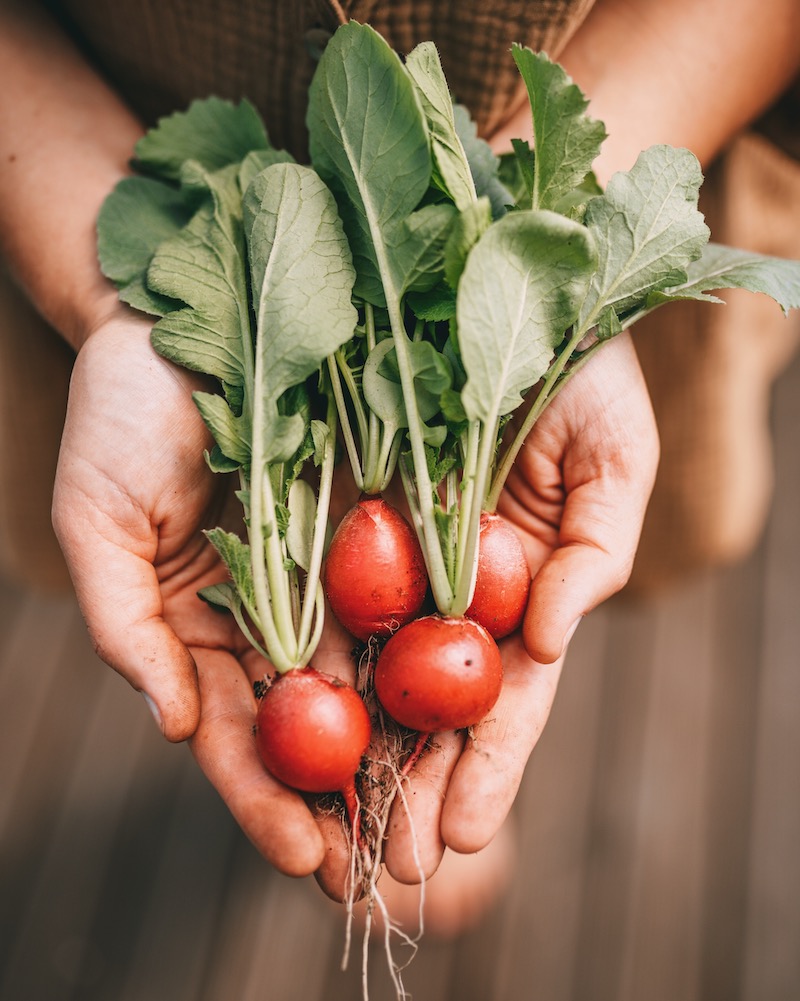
<point x="159" y="54"/>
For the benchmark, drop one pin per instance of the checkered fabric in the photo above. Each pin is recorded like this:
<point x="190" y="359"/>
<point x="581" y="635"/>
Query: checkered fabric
<point x="159" y="54"/>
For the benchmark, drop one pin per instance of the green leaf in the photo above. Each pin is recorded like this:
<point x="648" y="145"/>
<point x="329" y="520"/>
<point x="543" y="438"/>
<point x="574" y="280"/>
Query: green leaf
<point x="218" y="462"/>
<point x="451" y="168"/>
<point x="235" y="554"/>
<point x="302" y="280"/>
<point x="204" y="267"/>
<point x="647" y="229"/>
<point x="521" y="289"/>
<point x="231" y="433"/>
<point x="221" y="596"/>
<point x="434" y="305"/>
<point x="369" y="141"/>
<point x="302" y="506"/>
<point x="725" y="267"/>
<point x="138" y="215"/>
<point x="382" y="391"/>
<point x="525" y="160"/>
<point x="419" y="253"/>
<point x="566" y="140"/>
<point x="213" y="131"/>
<point x="483" y="163"/>
<point x="257" y="161"/>
<point x="467" y="229"/>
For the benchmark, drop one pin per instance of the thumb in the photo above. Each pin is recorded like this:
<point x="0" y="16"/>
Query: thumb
<point x="123" y="610"/>
<point x="574" y="580"/>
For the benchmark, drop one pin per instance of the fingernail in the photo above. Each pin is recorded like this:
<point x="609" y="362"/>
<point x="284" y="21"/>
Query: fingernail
<point x="151" y="705"/>
<point x="570" y="633"/>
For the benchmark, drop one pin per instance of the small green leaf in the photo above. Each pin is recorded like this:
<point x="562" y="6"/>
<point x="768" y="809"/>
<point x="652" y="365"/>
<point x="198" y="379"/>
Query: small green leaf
<point x="302" y="508"/>
<point x="725" y="267"/>
<point x="138" y="215"/>
<point x="212" y="131"/>
<point x="521" y="289"/>
<point x="483" y="163"/>
<point x="218" y="462"/>
<point x="647" y="229"/>
<point x="419" y="252"/>
<point x="435" y="305"/>
<point x="451" y="168"/>
<point x="231" y="433"/>
<point x="204" y="267"/>
<point x="566" y="140"/>
<point x="223" y="596"/>
<point x="382" y="391"/>
<point x="257" y="161"/>
<point x="467" y="229"/>
<point x="235" y="554"/>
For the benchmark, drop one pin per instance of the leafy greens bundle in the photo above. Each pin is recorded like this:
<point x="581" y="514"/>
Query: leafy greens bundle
<point x="408" y="285"/>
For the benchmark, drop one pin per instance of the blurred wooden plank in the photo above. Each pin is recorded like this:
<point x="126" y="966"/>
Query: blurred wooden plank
<point x="660" y="950"/>
<point x="610" y="824"/>
<point x="539" y="924"/>
<point x="51" y="947"/>
<point x="30" y="683"/>
<point x="736" y="629"/>
<point x="168" y="956"/>
<point x="772" y="902"/>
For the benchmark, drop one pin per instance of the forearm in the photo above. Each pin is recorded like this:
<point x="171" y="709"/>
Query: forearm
<point x="676" y="71"/>
<point x="65" y="139"/>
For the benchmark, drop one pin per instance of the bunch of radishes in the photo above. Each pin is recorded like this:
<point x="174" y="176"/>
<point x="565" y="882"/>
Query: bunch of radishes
<point x="402" y="295"/>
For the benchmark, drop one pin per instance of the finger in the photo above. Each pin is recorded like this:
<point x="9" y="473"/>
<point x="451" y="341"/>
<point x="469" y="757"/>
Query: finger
<point x="415" y="845"/>
<point x="336" y="874"/>
<point x="119" y="595"/>
<point x="487" y="776"/>
<point x="275" y="818"/>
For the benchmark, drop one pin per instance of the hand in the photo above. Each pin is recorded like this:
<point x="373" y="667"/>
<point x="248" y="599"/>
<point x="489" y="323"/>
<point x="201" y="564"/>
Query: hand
<point x="577" y="496"/>
<point x="132" y="495"/>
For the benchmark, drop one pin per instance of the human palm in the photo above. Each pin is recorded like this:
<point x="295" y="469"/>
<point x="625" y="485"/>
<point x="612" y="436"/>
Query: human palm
<point x="133" y="494"/>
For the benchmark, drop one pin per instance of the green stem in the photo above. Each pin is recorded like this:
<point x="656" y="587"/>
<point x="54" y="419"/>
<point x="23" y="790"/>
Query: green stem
<point x="279" y="586"/>
<point x="552" y="383"/>
<point x="347" y="431"/>
<point x="307" y="642"/>
<point x="467" y="566"/>
<point x="270" y="583"/>
<point x="431" y="544"/>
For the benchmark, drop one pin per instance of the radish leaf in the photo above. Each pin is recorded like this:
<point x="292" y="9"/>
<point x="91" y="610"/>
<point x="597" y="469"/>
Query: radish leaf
<point x="647" y="229"/>
<point x="728" y="267"/>
<point x="451" y="168"/>
<point x="213" y="132"/>
<point x="139" y="215"/>
<point x="302" y="280"/>
<point x="204" y="267"/>
<point x="521" y="289"/>
<point x="565" y="139"/>
<point x="368" y="140"/>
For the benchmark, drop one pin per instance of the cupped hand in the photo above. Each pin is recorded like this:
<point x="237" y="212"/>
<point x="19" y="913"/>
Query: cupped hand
<point x="133" y="493"/>
<point x="577" y="496"/>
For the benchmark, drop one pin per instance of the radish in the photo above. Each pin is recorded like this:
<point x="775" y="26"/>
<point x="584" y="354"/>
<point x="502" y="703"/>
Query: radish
<point x="503" y="582"/>
<point x="374" y="578"/>
<point x="312" y="731"/>
<point x="439" y="673"/>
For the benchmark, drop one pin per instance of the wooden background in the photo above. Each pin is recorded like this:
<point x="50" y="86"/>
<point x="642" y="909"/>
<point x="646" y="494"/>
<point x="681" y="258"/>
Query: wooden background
<point x="659" y="822"/>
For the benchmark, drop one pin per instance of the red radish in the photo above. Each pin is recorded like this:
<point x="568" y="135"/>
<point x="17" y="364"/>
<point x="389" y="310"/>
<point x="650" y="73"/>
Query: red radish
<point x="375" y="578"/>
<point x="504" y="580"/>
<point x="439" y="673"/>
<point x="312" y="731"/>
